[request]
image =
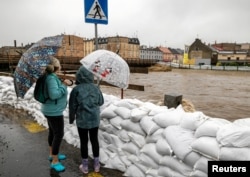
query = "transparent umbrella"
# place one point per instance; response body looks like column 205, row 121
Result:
column 108, row 66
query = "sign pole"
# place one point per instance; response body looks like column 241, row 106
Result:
column 96, row 37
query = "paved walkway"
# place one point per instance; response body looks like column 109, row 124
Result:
column 24, row 152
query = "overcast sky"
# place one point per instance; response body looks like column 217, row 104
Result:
column 169, row 23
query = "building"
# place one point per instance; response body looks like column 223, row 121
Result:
column 72, row 46
column 201, row 53
column 233, row 53
column 177, row 55
column 150, row 53
column 167, row 54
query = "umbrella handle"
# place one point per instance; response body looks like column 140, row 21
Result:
column 98, row 81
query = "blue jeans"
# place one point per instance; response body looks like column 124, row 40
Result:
column 56, row 132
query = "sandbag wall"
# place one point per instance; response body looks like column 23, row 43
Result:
column 145, row 140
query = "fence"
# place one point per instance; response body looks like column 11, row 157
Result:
column 208, row 67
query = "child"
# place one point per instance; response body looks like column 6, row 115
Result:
column 84, row 107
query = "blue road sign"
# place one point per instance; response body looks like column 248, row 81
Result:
column 96, row 11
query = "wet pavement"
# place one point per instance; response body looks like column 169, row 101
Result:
column 24, row 149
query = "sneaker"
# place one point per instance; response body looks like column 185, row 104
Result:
column 84, row 166
column 57, row 166
column 97, row 165
column 60, row 157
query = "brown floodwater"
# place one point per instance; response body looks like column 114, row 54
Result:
column 218, row 94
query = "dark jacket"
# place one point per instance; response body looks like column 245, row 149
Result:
column 85, row 101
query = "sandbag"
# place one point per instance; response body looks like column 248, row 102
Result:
column 123, row 112
column 176, row 165
column 108, row 112
column 167, row 118
column 150, row 150
column 148, row 125
column 163, row 148
column 234, row 153
column 179, row 140
column 210, row 127
column 207, row 146
column 233, row 135
column 132, row 127
column 192, row 120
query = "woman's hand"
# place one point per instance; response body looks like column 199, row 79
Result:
column 67, row 82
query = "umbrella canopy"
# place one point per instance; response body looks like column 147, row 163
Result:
column 108, row 66
column 33, row 63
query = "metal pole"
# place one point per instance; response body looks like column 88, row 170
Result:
column 96, row 37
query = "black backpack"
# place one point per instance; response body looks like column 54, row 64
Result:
column 39, row 91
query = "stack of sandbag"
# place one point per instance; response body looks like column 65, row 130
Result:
column 146, row 140
column 143, row 139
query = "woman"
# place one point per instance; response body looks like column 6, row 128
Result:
column 84, row 106
column 53, row 110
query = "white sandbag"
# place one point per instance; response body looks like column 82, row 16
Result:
column 132, row 171
column 202, row 164
column 115, row 163
column 148, row 106
column 176, row 165
column 142, row 167
column 123, row 112
column 127, row 103
column 155, row 136
column 103, row 156
column 112, row 148
column 147, row 161
column 109, row 99
column 232, row 135
column 130, row 148
column 191, row 158
column 110, row 129
column 163, row 148
column 168, row 118
column 137, row 139
column 234, row 153
column 168, row 172
column 125, row 160
column 152, row 173
column 150, row 150
column 210, row 127
column 116, row 122
column 148, row 125
column 179, row 140
column 243, row 122
column 154, row 109
column 133, row 158
column 192, row 120
column 137, row 114
column 130, row 126
column 107, row 137
column 123, row 135
column 115, row 140
column 198, row 173
column 207, row 146
column 108, row 112
column 68, row 137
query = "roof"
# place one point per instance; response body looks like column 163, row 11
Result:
column 164, row 49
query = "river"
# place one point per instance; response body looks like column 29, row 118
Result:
column 218, row 94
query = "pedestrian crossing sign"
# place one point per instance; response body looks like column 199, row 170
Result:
column 96, row 11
